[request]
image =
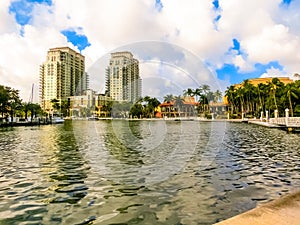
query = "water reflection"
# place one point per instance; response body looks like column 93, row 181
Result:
column 123, row 141
column 70, row 169
column 43, row 167
column 142, row 172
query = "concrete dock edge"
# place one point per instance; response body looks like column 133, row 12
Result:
column 282, row 211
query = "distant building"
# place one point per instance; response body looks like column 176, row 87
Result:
column 186, row 108
column 219, row 108
column 86, row 100
column 104, row 105
column 62, row 75
column 123, row 82
column 89, row 104
column 83, row 105
column 266, row 80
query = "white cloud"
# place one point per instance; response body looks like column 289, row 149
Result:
column 266, row 32
column 242, row 64
column 7, row 24
column 273, row 72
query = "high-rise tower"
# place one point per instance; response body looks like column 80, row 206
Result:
column 123, row 82
column 62, row 75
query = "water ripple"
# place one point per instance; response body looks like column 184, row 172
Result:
column 87, row 172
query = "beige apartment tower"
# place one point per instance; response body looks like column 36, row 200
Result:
column 123, row 82
column 62, row 75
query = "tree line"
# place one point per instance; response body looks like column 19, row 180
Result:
column 11, row 105
column 253, row 99
column 146, row 107
column 203, row 95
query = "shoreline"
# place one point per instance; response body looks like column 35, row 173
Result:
column 257, row 122
column 284, row 210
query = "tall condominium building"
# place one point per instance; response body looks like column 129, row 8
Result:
column 123, row 82
column 62, row 75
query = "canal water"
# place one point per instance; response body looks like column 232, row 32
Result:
column 142, row 172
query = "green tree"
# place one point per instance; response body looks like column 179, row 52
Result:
column 198, row 93
column 136, row 110
column 248, row 96
column 179, row 103
column 205, row 88
column 274, row 85
column 274, row 95
column 34, row 109
column 55, row 104
column 168, row 98
column 14, row 102
column 189, row 92
column 65, row 108
column 205, row 96
column 151, row 104
column 4, row 100
column 291, row 92
column 230, row 94
column 217, row 96
column 120, row 109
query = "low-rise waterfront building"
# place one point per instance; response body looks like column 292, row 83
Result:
column 219, row 108
column 186, row 107
column 90, row 104
column 83, row 105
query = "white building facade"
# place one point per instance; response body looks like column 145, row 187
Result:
column 62, row 75
column 123, row 82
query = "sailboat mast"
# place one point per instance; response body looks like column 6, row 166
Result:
column 31, row 95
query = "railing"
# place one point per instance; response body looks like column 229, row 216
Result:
column 286, row 121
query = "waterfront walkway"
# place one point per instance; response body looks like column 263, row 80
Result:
column 283, row 211
column 291, row 124
column 265, row 124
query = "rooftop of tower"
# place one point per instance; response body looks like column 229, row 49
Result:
column 65, row 49
column 122, row 54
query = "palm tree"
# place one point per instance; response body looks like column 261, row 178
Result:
column 55, row 104
column 261, row 93
column 291, row 91
column 240, row 98
column 204, row 102
column 274, row 85
column 197, row 93
column 152, row 103
column 217, row 95
column 248, row 90
column 189, row 92
column 169, row 98
column 34, row 109
column 231, row 98
column 179, row 103
column 205, row 96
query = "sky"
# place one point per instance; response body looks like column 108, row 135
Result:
column 179, row 44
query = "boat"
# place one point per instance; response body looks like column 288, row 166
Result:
column 56, row 120
column 93, row 118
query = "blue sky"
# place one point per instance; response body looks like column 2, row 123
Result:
column 234, row 44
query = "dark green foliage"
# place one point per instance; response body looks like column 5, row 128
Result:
column 275, row 95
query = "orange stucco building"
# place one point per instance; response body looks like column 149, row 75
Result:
column 169, row 109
